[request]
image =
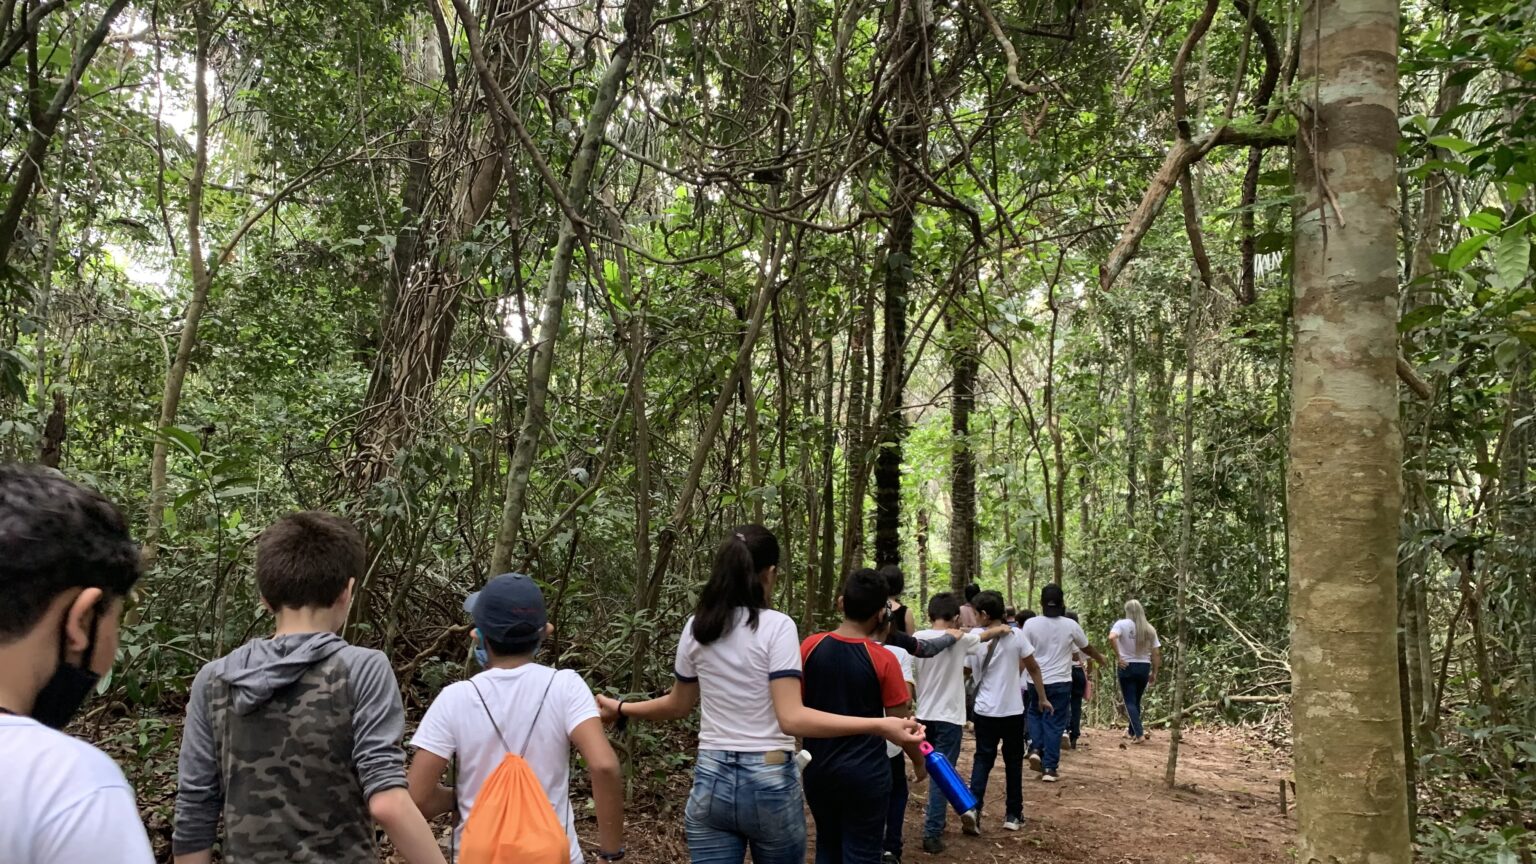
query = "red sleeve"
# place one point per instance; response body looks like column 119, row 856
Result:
column 809, row 645
column 893, row 689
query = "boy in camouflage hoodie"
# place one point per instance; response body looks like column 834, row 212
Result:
column 295, row 740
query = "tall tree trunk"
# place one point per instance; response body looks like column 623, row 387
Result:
column 637, row 22
column 962, row 525
column 860, row 434
column 828, row 572
column 922, row 558
column 908, row 146
column 1345, row 491
column 1186, row 533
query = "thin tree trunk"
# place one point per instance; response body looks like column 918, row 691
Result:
column 1345, row 465
column 202, row 282
column 1186, row 533
column 922, row 557
column 637, row 16
column 962, row 526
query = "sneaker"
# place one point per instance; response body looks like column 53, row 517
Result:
column 1014, row 823
column 1049, row 776
column 1066, row 740
column 970, row 823
column 1034, row 761
column 933, row 845
column 890, row 857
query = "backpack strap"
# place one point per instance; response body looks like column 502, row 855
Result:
column 986, row 661
column 536, row 714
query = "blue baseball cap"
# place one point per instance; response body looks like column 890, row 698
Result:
column 510, row 608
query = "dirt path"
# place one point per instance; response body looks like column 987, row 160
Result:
column 1110, row 807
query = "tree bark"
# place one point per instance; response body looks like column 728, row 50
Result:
column 1345, row 451
column 637, row 15
column 1186, row 532
column 962, row 526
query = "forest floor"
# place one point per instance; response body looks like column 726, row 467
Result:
column 1110, row 807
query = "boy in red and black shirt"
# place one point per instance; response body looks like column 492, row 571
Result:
column 848, row 779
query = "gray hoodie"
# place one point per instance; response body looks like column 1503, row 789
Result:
column 251, row 711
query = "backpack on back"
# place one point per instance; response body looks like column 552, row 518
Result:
column 513, row 821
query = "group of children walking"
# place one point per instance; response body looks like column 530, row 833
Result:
column 292, row 743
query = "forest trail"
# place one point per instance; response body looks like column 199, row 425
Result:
column 1110, row 807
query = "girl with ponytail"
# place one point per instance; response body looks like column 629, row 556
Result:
column 740, row 660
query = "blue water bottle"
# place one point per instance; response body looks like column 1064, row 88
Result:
column 941, row 772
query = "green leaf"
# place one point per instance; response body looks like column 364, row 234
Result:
column 1420, row 316
column 1511, row 259
column 182, row 438
column 1465, row 251
column 1483, row 220
column 1452, row 143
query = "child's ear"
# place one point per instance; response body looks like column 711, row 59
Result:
column 840, row 604
column 549, row 630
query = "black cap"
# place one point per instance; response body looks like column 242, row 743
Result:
column 510, row 608
column 1052, row 603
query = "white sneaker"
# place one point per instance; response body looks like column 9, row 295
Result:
column 970, row 823
column 1013, row 824
column 1049, row 777
column 1034, row 761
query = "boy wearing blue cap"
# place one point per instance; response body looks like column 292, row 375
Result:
column 542, row 712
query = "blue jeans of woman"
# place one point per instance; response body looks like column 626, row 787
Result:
column 743, row 800
column 1133, row 683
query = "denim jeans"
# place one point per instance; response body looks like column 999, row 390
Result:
column 896, row 809
column 1079, row 687
column 1009, row 732
column 739, row 800
column 1046, row 729
column 1133, row 683
column 945, row 738
column 850, row 814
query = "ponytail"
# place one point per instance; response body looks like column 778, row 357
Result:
column 735, row 581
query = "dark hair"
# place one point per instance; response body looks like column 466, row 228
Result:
column 1010, row 612
column 971, row 591
column 990, row 603
column 306, row 559
column 864, row 594
column 1025, row 615
column 1070, row 614
column 514, row 648
column 945, row 606
column 894, row 580
column 733, row 582
column 56, row 535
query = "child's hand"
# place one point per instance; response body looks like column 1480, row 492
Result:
column 901, row 731
column 608, row 710
column 958, row 634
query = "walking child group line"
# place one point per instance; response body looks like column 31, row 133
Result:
column 291, row 751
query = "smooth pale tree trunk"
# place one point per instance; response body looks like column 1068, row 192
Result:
column 1345, row 496
column 1186, row 532
column 578, row 191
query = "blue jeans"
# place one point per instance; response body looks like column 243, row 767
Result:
column 1079, row 688
column 850, row 813
column 945, row 738
column 1133, row 683
column 896, row 809
column 1045, row 729
column 739, row 800
column 1008, row 732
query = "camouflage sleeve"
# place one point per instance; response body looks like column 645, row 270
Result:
column 199, row 789
column 378, row 722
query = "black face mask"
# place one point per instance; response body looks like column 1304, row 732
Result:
column 61, row 698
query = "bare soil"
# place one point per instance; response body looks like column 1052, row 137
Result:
column 1110, row 807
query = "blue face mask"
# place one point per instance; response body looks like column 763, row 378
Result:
column 481, row 656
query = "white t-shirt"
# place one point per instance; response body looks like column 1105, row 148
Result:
column 62, row 801
column 1125, row 632
column 905, row 659
column 1055, row 639
column 457, row 724
column 940, row 682
column 735, row 706
column 998, row 693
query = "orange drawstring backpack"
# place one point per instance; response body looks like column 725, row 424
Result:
column 513, row 821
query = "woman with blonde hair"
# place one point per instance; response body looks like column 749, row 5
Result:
column 1139, row 654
